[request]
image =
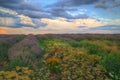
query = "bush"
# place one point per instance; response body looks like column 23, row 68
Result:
column 112, row 65
column 53, row 64
column 89, row 47
column 19, row 38
column 4, row 50
column 74, row 65
column 17, row 62
column 49, row 43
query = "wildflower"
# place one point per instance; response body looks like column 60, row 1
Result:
column 18, row 68
column 1, row 73
column 53, row 60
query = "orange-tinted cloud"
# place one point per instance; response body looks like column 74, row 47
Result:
column 3, row 31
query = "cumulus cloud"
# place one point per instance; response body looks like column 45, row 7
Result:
column 24, row 7
column 67, row 8
column 13, row 9
column 10, row 18
column 59, row 9
column 68, row 13
column 34, row 10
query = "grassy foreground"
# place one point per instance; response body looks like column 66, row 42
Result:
column 60, row 59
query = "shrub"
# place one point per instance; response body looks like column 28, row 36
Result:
column 74, row 65
column 53, row 64
column 18, row 61
column 49, row 43
column 89, row 46
column 4, row 50
column 112, row 65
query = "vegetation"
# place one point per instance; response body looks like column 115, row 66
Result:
column 112, row 65
column 4, row 50
column 60, row 59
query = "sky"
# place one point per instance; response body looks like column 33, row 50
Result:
column 59, row 16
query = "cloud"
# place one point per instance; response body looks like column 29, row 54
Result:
column 38, row 23
column 73, row 3
column 9, row 22
column 107, row 4
column 18, row 5
column 70, row 9
column 12, row 4
column 10, row 18
column 62, row 25
column 60, row 9
column 24, row 7
column 67, row 13
column 21, row 21
column 35, row 14
column 107, row 21
column 107, row 27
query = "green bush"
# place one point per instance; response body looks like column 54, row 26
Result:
column 19, row 38
column 53, row 64
column 112, row 65
column 75, row 44
column 89, row 47
column 17, row 62
column 49, row 43
column 4, row 50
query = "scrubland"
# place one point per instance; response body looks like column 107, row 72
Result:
column 60, row 57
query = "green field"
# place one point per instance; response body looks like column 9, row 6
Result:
column 59, row 58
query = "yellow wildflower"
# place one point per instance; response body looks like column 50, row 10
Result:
column 2, row 72
column 18, row 68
